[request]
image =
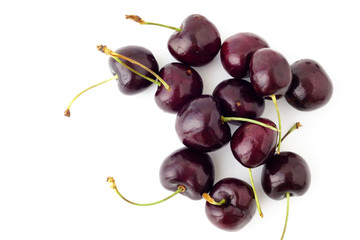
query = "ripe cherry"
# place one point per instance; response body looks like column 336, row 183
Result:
column 311, row 87
column 189, row 168
column 185, row 83
column 195, row 43
column 237, row 50
column 238, row 205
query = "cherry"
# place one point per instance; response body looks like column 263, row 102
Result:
column 195, row 43
column 270, row 73
column 199, row 125
column 185, row 83
column 237, row 50
column 286, row 174
column 238, row 208
column 189, row 168
column 311, row 87
column 128, row 81
column 238, row 98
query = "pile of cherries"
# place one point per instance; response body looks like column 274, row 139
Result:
column 202, row 121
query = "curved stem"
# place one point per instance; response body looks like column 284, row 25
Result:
column 67, row 111
column 227, row 119
column 273, row 97
column 113, row 186
column 212, row 201
column 256, row 197
column 287, row 214
column 136, row 72
column 295, row 126
column 141, row 21
column 111, row 53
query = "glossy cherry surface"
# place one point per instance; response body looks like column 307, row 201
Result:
column 239, row 207
column 270, row 73
column 197, row 43
column 285, row 172
column 238, row 98
column 199, row 125
column 190, row 168
column 253, row 145
column 185, row 84
column 129, row 82
column 311, row 87
column 237, row 50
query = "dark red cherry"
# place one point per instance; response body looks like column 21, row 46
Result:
column 237, row 98
column 237, row 50
column 185, row 84
column 286, row 172
column 129, row 82
column 270, row 73
column 199, row 125
column 197, row 43
column 239, row 206
column 253, row 145
column 311, row 87
column 190, row 168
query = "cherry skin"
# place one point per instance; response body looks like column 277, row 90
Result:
column 197, row 43
column 270, row 73
column 129, row 82
column 286, row 172
column 239, row 206
column 253, row 145
column 237, row 50
column 199, row 125
column 190, row 168
column 185, row 84
column 238, row 98
column 311, row 87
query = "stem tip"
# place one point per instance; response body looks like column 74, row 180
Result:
column 67, row 113
column 135, row 18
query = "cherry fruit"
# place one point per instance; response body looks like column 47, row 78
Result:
column 189, row 168
column 311, row 88
column 185, row 83
column 236, row 52
column 239, row 206
column 238, row 98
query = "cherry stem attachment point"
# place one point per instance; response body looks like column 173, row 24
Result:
column 295, row 126
column 212, row 201
column 142, row 22
column 113, row 186
column 273, row 97
column 256, row 197
column 111, row 53
column 227, row 119
column 287, row 214
column 67, row 111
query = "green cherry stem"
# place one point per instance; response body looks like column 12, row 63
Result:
column 212, row 201
column 256, row 197
column 67, row 111
column 142, row 22
column 287, row 214
column 294, row 127
column 227, row 119
column 273, row 97
column 113, row 186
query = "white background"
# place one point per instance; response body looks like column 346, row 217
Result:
column 53, row 169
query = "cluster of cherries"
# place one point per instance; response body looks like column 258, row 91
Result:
column 202, row 120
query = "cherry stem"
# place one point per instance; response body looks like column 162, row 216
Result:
column 67, row 111
column 142, row 22
column 273, row 97
column 287, row 214
column 256, row 197
column 111, row 53
column 212, row 201
column 113, row 186
column 295, row 126
column 227, row 119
